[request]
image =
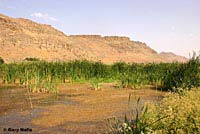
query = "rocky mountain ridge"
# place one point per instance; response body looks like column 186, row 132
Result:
column 21, row 38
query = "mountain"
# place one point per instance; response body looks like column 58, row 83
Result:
column 22, row 38
column 171, row 57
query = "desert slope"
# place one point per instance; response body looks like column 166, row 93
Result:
column 21, row 38
column 171, row 57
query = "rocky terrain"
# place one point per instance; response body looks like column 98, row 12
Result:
column 169, row 56
column 21, row 38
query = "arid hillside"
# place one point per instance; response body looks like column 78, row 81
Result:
column 171, row 57
column 21, row 38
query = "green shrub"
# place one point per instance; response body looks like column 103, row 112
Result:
column 182, row 112
column 175, row 114
column 185, row 76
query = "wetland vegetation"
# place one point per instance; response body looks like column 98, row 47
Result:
column 178, row 112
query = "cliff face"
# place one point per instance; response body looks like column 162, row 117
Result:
column 21, row 38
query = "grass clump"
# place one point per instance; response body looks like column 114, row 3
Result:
column 135, row 124
column 35, row 83
column 42, row 85
column 96, row 84
column 134, row 81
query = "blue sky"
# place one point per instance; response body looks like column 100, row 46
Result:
column 165, row 25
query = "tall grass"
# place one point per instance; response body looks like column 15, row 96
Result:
column 184, row 76
column 166, row 75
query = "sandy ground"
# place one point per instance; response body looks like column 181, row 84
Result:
column 77, row 109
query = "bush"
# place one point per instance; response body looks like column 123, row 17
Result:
column 184, row 76
column 181, row 112
column 175, row 114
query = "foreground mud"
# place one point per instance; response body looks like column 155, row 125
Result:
column 75, row 110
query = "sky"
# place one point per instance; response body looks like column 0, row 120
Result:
column 165, row 25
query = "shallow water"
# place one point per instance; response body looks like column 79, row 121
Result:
column 71, row 111
column 16, row 113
